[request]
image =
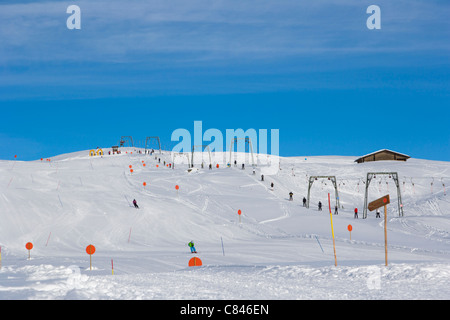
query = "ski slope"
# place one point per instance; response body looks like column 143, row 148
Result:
column 279, row 249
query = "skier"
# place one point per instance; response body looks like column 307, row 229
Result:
column 320, row 206
column 304, row 201
column 290, row 196
column 336, row 209
column 191, row 245
column 378, row 214
column 262, row 177
column 243, row 167
column 356, row 213
column 135, row 204
column 271, row 185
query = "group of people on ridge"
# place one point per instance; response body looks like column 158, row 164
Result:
column 336, row 211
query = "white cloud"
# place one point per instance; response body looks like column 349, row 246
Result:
column 157, row 41
column 128, row 31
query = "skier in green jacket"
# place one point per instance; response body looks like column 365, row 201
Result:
column 191, row 245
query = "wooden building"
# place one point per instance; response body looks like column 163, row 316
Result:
column 382, row 155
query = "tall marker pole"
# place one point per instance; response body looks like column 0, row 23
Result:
column 383, row 201
column 332, row 231
column 385, row 236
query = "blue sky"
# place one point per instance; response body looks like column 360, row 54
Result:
column 144, row 68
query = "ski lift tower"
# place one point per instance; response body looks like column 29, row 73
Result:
column 393, row 175
column 206, row 147
column 250, row 147
column 333, row 181
column 176, row 155
column 150, row 139
column 126, row 141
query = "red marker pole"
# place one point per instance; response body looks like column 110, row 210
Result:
column 15, row 160
column 48, row 238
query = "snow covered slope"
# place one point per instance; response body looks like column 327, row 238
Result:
column 277, row 249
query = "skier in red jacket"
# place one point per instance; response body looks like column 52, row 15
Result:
column 356, row 213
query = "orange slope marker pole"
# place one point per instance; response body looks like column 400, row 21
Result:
column 90, row 250
column 29, row 246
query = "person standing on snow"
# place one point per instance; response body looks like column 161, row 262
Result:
column 135, row 204
column 191, row 245
column 356, row 213
column 320, row 206
column 304, row 201
column 291, row 196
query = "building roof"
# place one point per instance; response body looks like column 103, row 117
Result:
column 383, row 150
